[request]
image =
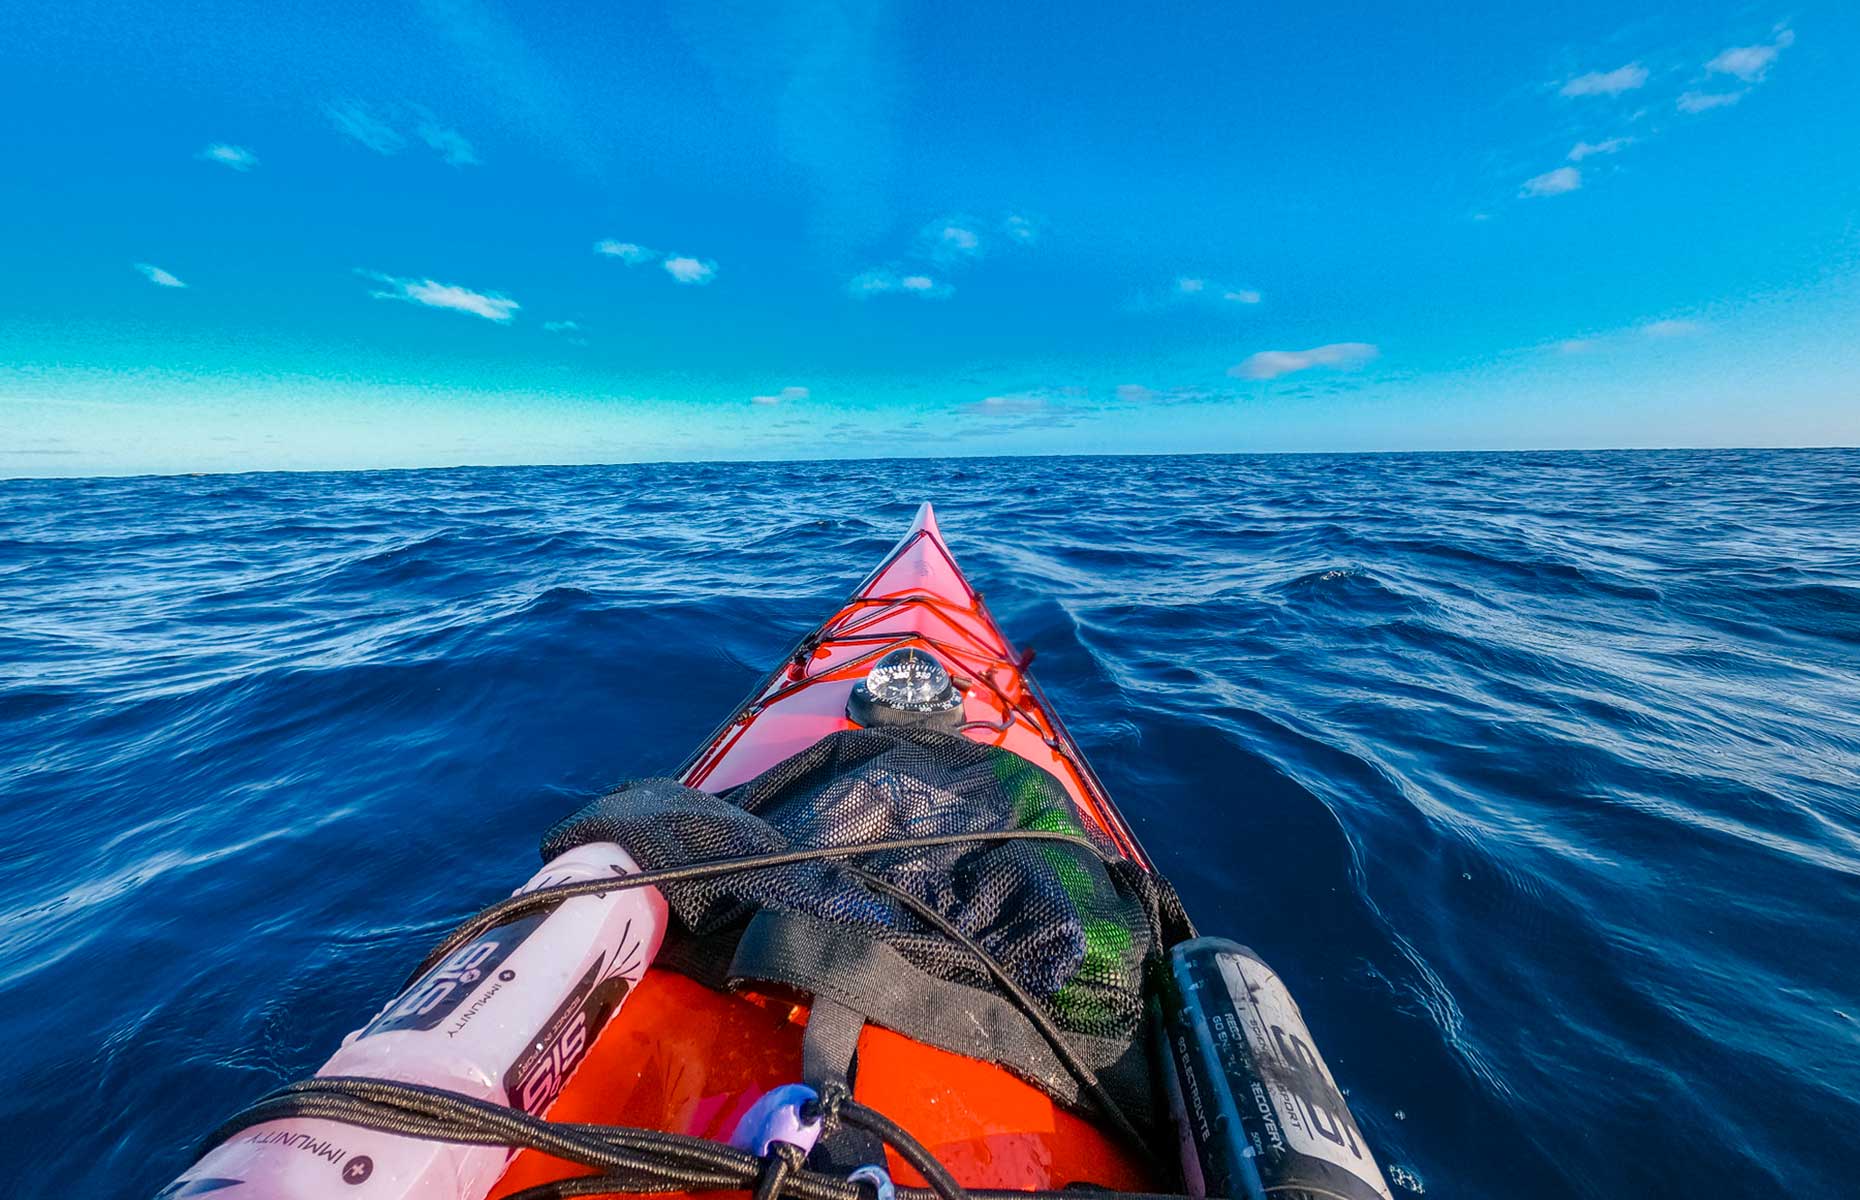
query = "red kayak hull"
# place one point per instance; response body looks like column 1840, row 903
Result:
column 683, row 1058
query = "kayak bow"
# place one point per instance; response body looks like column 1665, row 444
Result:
column 917, row 596
column 683, row 1058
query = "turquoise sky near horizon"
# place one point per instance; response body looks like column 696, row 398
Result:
column 244, row 237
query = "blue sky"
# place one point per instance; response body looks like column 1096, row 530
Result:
column 249, row 236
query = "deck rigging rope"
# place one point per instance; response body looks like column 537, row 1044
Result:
column 544, row 898
column 649, row 1161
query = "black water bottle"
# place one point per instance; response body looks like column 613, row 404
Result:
column 1256, row 1108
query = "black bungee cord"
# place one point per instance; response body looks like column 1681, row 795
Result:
column 641, row 1161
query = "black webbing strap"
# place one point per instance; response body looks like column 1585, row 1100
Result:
column 828, row 1046
column 828, row 1049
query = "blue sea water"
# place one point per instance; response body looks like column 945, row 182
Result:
column 1536, row 775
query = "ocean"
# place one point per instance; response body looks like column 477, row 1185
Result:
column 1537, row 776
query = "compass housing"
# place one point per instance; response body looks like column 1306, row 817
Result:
column 906, row 687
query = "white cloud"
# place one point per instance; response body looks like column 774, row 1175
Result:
column 450, row 144
column 627, row 252
column 375, row 130
column 1270, row 364
column 1018, row 402
column 159, row 277
column 1607, row 83
column 1552, row 183
column 786, row 396
column 1616, row 340
column 432, row 294
column 1194, row 289
column 881, row 282
column 1138, row 394
column 236, row 157
column 953, row 239
column 356, row 122
column 569, row 331
column 1698, row 102
column 690, row 270
column 1751, row 63
column 1613, row 145
column 680, row 267
column 1046, row 407
column 1021, row 229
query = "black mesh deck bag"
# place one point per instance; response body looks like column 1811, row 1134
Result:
column 1075, row 929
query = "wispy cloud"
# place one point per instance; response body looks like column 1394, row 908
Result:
column 448, row 143
column 1189, row 285
column 787, row 395
column 892, row 281
column 1751, row 63
column 1270, row 364
column 1552, row 183
column 433, row 294
column 1698, row 102
column 827, row 80
column 236, row 157
column 951, row 239
column 690, row 270
column 380, row 131
column 1611, row 341
column 569, row 331
column 1020, row 228
column 1613, row 145
column 1016, row 402
column 1192, row 289
column 1607, row 83
column 158, row 277
column 487, row 40
column 1041, row 408
column 630, row 253
column 358, row 123
column 1134, row 394
column 945, row 246
column 681, row 267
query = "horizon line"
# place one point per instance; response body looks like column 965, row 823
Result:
column 874, row 458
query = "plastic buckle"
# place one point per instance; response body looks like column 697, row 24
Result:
column 879, row 1178
column 789, row 1113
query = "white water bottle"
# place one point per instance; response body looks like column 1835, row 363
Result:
column 504, row 1018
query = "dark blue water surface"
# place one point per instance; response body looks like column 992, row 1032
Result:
column 1537, row 775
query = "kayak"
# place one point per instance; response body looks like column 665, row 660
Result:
column 684, row 1058
column 887, row 888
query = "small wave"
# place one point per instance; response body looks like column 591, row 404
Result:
column 1353, row 588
